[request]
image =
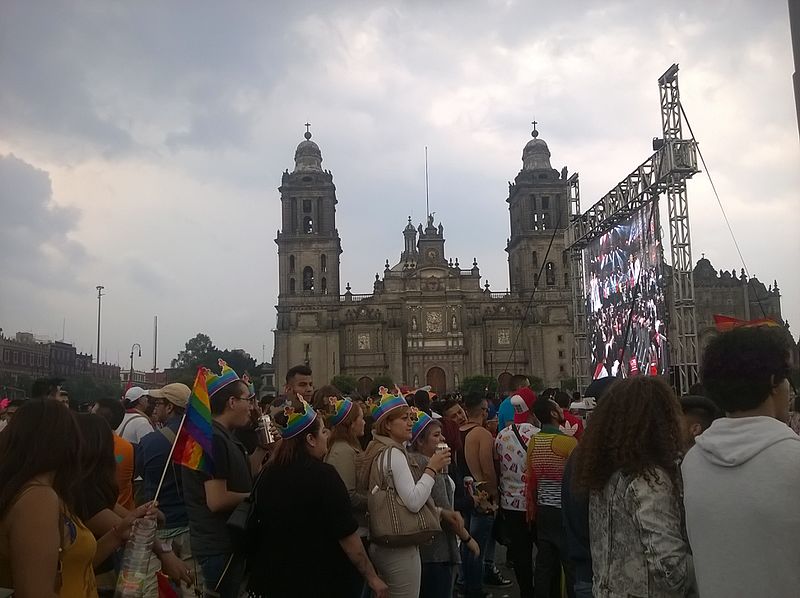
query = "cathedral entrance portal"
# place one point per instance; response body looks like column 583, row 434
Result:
column 436, row 379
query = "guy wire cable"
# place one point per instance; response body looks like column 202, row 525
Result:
column 722, row 209
column 533, row 292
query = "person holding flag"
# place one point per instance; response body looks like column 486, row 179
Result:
column 216, row 474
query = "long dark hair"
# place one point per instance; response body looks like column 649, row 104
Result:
column 635, row 428
column 41, row 438
column 98, row 465
column 292, row 450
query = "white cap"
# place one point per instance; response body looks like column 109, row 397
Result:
column 519, row 404
column 134, row 394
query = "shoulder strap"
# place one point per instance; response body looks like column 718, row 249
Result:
column 136, row 416
column 519, row 437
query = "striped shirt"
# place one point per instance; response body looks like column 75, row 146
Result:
column 548, row 452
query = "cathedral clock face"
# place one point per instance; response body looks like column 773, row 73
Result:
column 432, row 254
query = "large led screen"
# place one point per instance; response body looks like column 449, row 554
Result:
column 625, row 303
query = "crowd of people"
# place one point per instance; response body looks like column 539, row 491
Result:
column 407, row 495
column 626, row 302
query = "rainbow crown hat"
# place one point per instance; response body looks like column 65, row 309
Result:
column 340, row 408
column 388, row 402
column 421, row 421
column 251, row 388
column 296, row 421
column 215, row 383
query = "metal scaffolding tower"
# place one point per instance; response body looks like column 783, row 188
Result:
column 664, row 172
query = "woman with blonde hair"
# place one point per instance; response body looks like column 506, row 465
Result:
column 398, row 565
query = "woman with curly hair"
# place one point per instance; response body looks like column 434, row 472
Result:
column 628, row 463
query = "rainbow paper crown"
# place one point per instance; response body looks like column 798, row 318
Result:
column 251, row 388
column 421, row 421
column 388, row 402
column 215, row 383
column 296, row 421
column 339, row 410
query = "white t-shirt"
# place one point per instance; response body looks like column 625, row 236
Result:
column 134, row 427
column 512, row 457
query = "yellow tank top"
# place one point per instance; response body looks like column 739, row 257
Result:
column 78, row 547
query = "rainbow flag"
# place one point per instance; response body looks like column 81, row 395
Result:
column 727, row 323
column 193, row 444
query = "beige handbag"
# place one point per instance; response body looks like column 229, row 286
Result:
column 390, row 521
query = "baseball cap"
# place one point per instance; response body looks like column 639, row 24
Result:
column 133, row 394
column 522, row 402
column 176, row 393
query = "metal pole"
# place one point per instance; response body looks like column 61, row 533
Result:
column 99, row 296
column 133, row 346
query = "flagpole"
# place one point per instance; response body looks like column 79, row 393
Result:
column 169, row 459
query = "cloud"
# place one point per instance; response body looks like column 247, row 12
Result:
column 35, row 246
column 164, row 132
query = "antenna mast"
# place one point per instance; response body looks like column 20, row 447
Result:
column 427, row 199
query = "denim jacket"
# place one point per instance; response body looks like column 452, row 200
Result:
column 638, row 544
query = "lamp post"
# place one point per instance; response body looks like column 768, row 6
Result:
column 99, row 299
column 130, row 375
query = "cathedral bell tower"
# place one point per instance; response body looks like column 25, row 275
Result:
column 308, row 242
column 538, row 203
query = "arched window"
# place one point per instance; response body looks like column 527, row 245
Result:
column 308, row 279
column 291, row 264
column 535, row 259
column 293, row 214
column 324, row 286
column 550, row 274
column 566, row 279
column 308, row 225
column 291, row 286
column 323, row 262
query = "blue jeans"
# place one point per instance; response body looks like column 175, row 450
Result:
column 583, row 589
column 480, row 528
column 437, row 580
column 213, row 568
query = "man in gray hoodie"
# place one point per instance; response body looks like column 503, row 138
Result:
column 742, row 477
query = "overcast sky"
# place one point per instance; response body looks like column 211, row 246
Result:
column 142, row 144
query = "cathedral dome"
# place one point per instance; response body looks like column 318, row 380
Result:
column 536, row 155
column 307, row 156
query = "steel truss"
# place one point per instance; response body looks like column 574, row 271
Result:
column 664, row 172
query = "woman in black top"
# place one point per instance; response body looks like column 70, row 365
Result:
column 309, row 545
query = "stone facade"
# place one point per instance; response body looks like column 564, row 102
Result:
column 428, row 319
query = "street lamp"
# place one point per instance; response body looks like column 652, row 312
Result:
column 130, row 375
column 100, row 294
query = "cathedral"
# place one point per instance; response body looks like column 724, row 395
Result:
column 429, row 319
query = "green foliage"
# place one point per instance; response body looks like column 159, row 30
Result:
column 478, row 384
column 201, row 351
column 537, row 384
column 569, row 384
column 346, row 384
column 382, row 380
column 85, row 389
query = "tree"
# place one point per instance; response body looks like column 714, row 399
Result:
column 199, row 350
column 84, row 389
column 382, row 380
column 537, row 384
column 478, row 384
column 240, row 361
column 346, row 384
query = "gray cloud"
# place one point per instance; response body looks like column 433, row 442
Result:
column 178, row 120
column 34, row 232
